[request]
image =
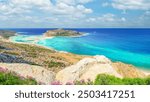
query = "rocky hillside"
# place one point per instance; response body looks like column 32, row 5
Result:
column 36, row 55
column 6, row 34
column 62, row 32
column 46, row 65
column 40, row 74
column 90, row 68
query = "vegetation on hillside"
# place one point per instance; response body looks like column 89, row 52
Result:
column 104, row 79
column 6, row 34
column 36, row 55
column 62, row 32
column 12, row 79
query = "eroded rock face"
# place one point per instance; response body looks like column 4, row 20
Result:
column 40, row 74
column 88, row 68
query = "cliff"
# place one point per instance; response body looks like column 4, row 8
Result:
column 62, row 32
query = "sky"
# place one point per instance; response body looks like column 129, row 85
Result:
column 74, row 13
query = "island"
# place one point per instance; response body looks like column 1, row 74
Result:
column 62, row 32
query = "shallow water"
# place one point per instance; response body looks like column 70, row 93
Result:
column 130, row 46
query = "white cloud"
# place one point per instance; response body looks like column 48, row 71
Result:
column 84, row 1
column 42, row 11
column 74, row 11
column 73, row 2
column 62, row 7
column 105, row 4
column 22, row 6
column 131, row 4
column 123, row 19
column 145, row 16
column 106, row 18
column 91, row 19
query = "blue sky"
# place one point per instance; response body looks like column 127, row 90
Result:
column 74, row 13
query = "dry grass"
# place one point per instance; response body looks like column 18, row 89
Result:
column 41, row 56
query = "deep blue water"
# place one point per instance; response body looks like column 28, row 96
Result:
column 130, row 46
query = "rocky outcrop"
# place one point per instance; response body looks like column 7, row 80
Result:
column 6, row 58
column 40, row 74
column 6, row 33
column 62, row 32
column 89, row 68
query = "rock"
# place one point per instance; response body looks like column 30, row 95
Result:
column 7, row 58
column 102, row 59
column 87, row 68
column 40, row 74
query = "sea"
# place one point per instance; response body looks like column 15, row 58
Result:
column 128, row 45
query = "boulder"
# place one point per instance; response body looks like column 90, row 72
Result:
column 87, row 68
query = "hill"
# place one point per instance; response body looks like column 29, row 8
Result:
column 62, row 32
column 6, row 34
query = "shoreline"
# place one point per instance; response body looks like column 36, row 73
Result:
column 41, row 37
column 146, row 72
column 35, row 44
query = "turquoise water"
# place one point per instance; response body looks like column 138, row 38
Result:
column 128, row 46
column 24, row 38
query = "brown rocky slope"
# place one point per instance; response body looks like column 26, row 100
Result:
column 88, row 68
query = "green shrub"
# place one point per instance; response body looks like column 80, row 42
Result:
column 148, row 81
column 54, row 64
column 12, row 79
column 104, row 79
column 135, row 81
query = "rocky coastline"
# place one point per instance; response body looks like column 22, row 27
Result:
column 46, row 65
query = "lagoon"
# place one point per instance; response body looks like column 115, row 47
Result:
column 131, row 46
